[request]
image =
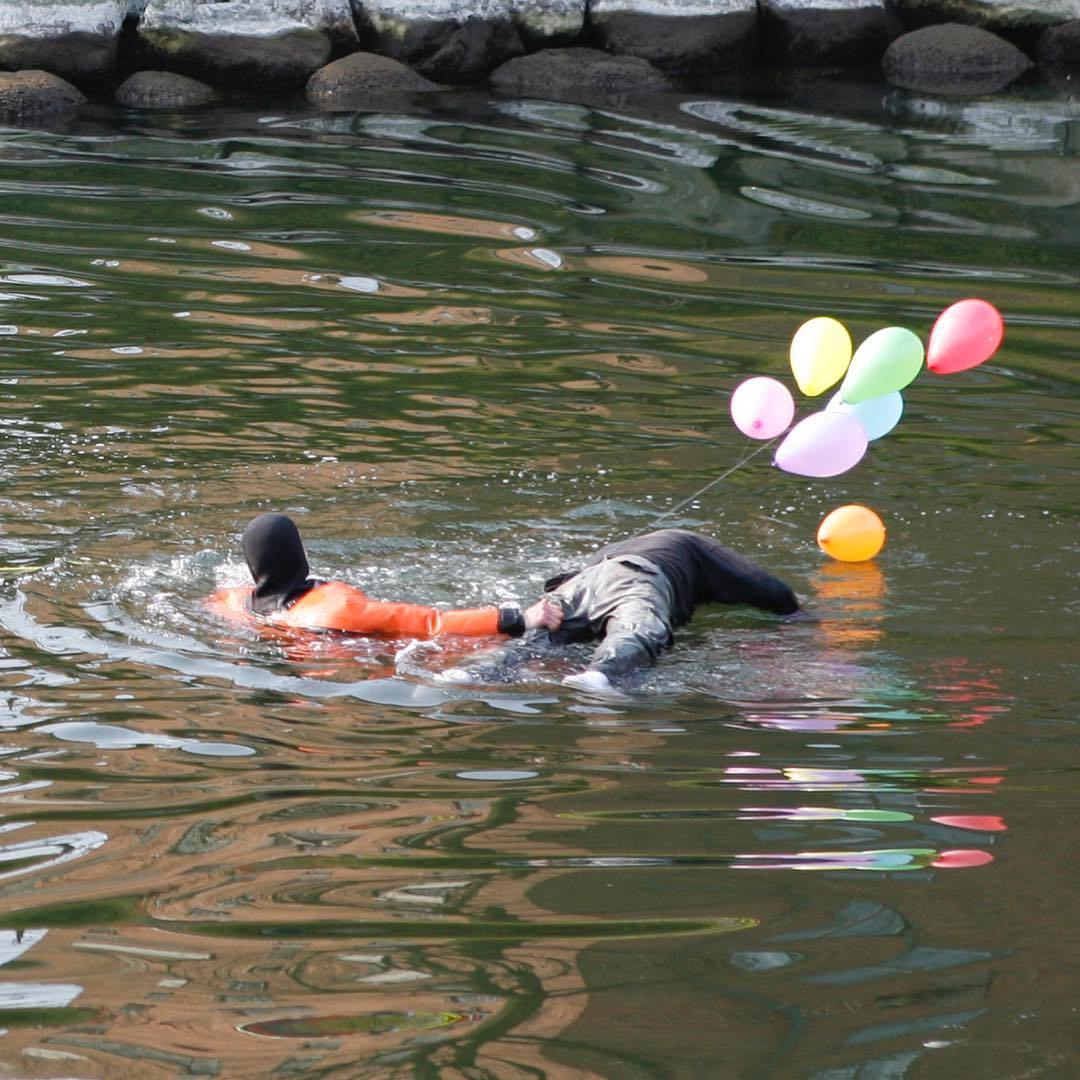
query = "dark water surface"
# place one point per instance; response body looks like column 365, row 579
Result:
column 464, row 344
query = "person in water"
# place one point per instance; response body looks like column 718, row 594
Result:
column 630, row 596
column 285, row 594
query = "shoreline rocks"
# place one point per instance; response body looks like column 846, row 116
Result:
column 688, row 39
column 999, row 15
column 953, row 59
column 163, row 90
column 471, row 52
column 522, row 47
column 36, row 94
column 834, row 35
column 578, row 74
column 359, row 77
column 240, row 42
column 77, row 41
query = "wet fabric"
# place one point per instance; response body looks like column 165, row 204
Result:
column 626, row 602
column 623, row 602
column 632, row 594
column 335, row 605
column 701, row 571
column 286, row 594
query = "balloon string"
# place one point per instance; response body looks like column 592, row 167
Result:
column 701, row 491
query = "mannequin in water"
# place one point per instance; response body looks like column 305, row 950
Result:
column 629, row 596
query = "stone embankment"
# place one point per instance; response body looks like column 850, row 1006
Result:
column 57, row 54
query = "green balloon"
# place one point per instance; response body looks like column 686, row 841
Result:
column 886, row 361
column 876, row 815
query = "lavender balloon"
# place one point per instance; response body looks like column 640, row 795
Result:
column 824, row 444
column 762, row 407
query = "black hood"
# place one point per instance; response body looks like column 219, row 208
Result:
column 277, row 561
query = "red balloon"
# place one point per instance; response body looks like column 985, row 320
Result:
column 953, row 860
column 982, row 822
column 965, row 334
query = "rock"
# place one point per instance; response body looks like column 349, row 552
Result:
column 953, row 59
column 848, row 33
column 251, row 18
column 34, row 94
column 355, row 80
column 163, row 90
column 1059, row 47
column 691, row 39
column 285, row 60
column 577, row 74
column 415, row 30
column 995, row 14
column 274, row 43
column 472, row 51
column 75, row 39
column 548, row 22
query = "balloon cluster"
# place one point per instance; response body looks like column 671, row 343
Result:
column 867, row 406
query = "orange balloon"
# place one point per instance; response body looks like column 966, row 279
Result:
column 851, row 533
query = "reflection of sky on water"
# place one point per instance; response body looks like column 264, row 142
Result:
column 13, row 943
column 115, row 737
column 30, row 994
column 37, row 995
column 36, row 856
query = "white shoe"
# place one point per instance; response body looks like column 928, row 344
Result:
column 595, row 682
column 458, row 675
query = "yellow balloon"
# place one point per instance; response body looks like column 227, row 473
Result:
column 820, row 354
column 851, row 533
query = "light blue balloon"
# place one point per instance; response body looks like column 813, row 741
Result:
column 878, row 415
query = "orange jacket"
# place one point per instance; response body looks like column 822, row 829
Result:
column 334, row 605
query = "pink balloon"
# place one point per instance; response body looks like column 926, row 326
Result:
column 824, row 444
column 762, row 407
column 965, row 334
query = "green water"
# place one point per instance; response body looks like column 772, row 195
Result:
column 464, row 344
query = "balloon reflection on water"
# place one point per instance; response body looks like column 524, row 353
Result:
column 914, row 786
column 972, row 696
column 857, row 593
column 797, row 778
column 917, row 799
column 889, row 859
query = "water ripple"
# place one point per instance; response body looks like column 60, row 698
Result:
column 466, row 343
